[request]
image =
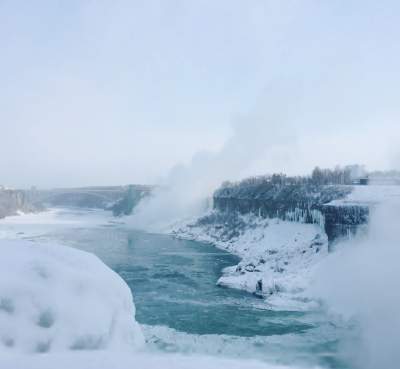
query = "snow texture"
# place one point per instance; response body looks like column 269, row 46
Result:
column 54, row 298
column 107, row 360
column 277, row 256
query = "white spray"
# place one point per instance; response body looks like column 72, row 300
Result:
column 362, row 282
column 183, row 194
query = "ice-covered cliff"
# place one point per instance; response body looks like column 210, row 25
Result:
column 299, row 202
column 281, row 232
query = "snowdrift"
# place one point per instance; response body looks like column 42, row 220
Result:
column 54, row 298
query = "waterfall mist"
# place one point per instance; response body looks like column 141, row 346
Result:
column 262, row 133
column 186, row 191
column 361, row 283
column 285, row 131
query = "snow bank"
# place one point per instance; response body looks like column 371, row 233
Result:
column 105, row 360
column 54, row 298
column 277, row 256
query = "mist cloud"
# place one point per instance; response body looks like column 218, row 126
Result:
column 361, row 282
column 184, row 192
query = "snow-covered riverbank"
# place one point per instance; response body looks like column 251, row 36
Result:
column 277, row 256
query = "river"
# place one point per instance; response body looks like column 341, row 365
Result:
column 178, row 302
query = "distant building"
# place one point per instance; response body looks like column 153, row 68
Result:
column 364, row 181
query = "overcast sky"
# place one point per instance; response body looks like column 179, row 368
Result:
column 115, row 92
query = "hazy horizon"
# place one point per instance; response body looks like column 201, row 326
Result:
column 106, row 93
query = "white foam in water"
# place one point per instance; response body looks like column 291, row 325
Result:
column 280, row 349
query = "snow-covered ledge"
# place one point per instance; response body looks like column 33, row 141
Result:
column 55, row 299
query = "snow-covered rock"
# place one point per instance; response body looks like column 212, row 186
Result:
column 277, row 256
column 349, row 216
column 54, row 298
column 279, row 253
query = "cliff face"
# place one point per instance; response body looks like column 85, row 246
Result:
column 303, row 202
column 344, row 221
column 12, row 201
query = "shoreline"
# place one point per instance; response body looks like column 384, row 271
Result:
column 276, row 257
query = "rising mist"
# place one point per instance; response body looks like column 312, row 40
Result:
column 360, row 282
